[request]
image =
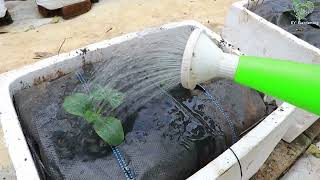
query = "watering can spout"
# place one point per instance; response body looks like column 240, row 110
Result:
column 204, row 60
column 293, row 82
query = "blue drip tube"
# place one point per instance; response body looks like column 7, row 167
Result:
column 115, row 150
column 216, row 103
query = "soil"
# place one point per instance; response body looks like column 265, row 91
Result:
column 170, row 137
column 279, row 13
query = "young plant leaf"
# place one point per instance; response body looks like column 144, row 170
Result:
column 110, row 130
column 98, row 93
column 113, row 97
column 91, row 116
column 116, row 99
column 77, row 104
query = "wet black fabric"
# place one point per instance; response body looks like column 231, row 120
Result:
column 279, row 12
column 170, row 137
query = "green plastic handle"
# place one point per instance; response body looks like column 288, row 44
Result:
column 292, row 82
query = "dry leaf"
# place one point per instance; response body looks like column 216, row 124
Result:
column 313, row 150
column 41, row 55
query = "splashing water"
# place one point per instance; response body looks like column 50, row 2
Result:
column 144, row 66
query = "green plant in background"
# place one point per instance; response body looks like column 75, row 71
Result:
column 84, row 105
column 302, row 8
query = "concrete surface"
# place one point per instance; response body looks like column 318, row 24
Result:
column 286, row 154
column 27, row 41
column 307, row 167
column 281, row 158
column 25, row 15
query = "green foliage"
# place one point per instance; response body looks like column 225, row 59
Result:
column 108, row 128
column 302, row 8
column 114, row 98
column 77, row 104
column 110, row 125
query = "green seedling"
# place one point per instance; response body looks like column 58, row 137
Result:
column 89, row 106
column 302, row 9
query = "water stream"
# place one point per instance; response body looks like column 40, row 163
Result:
column 149, row 64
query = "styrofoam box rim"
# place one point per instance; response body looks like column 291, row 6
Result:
column 266, row 134
column 241, row 5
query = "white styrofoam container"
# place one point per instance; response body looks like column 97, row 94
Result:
column 251, row 150
column 255, row 36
